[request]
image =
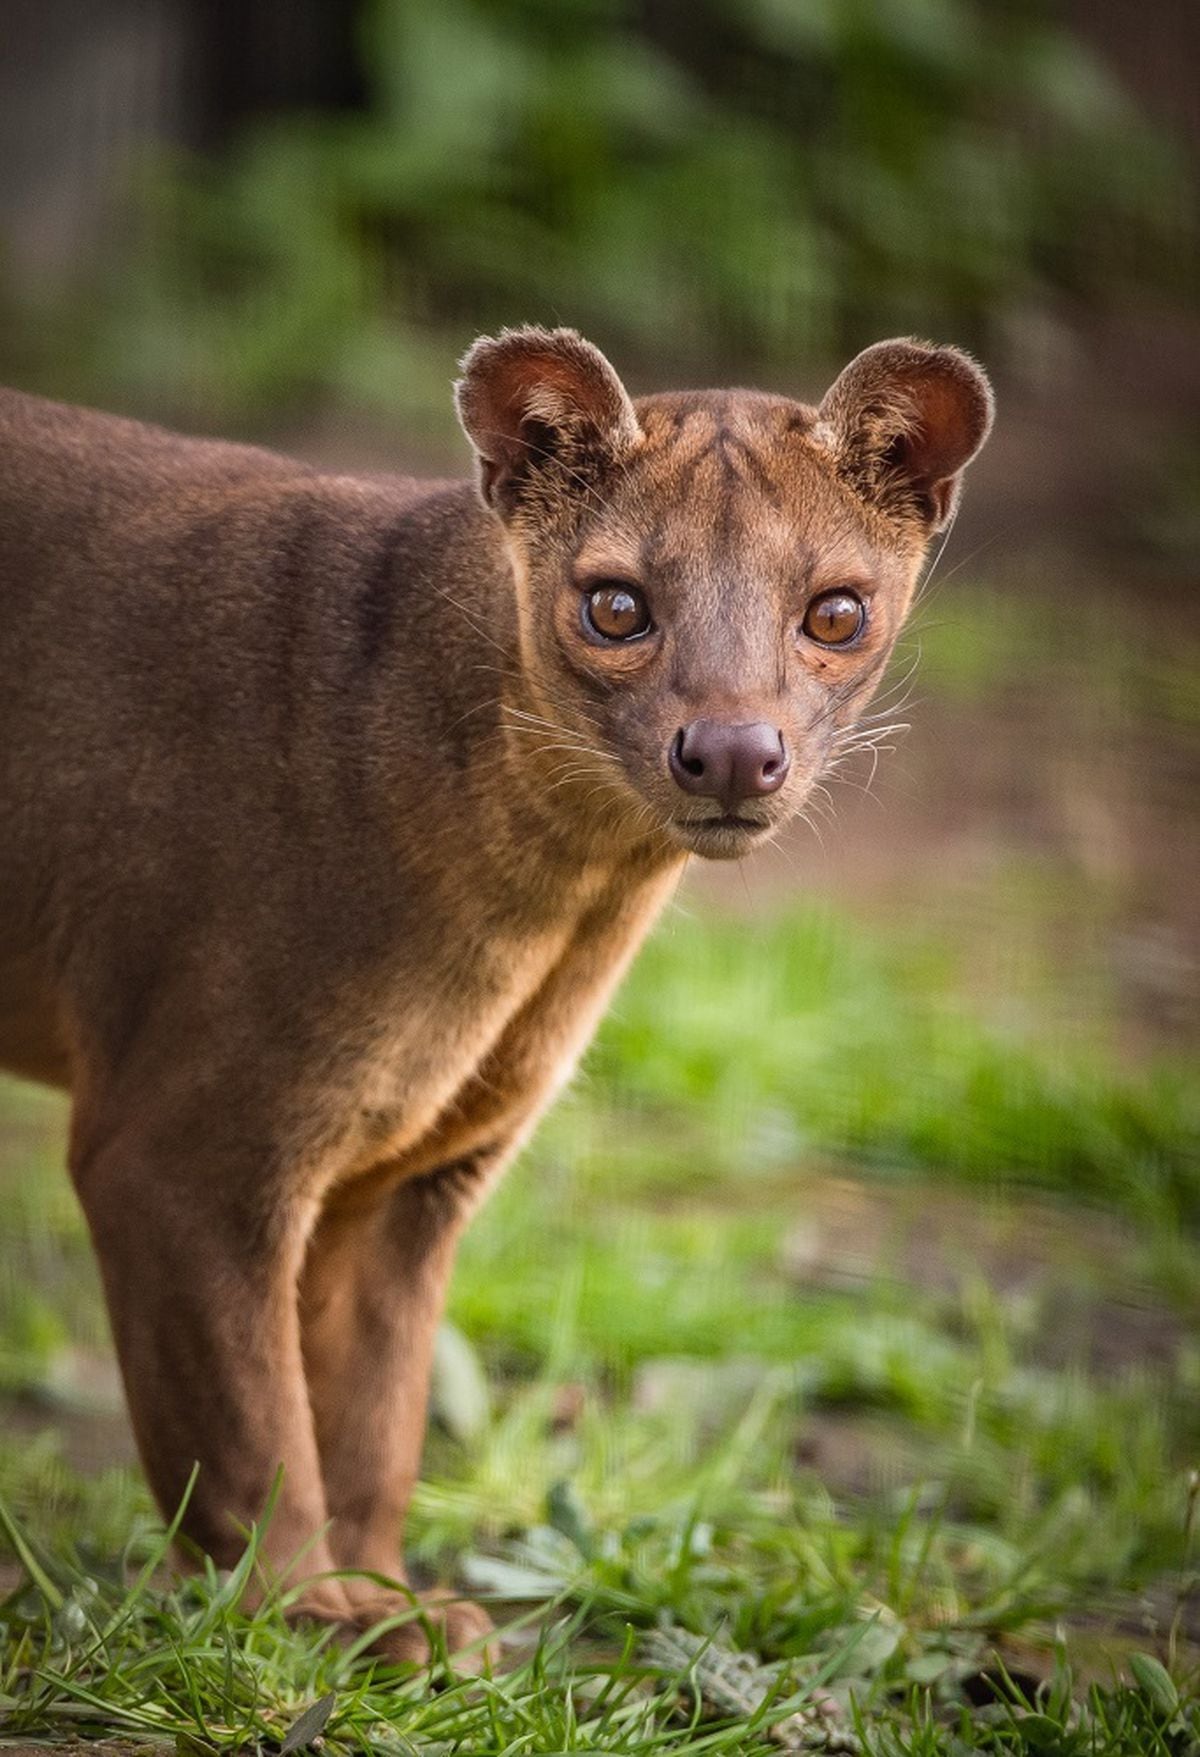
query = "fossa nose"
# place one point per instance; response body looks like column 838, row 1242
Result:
column 716, row 760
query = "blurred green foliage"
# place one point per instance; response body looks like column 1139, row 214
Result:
column 761, row 181
column 873, row 1053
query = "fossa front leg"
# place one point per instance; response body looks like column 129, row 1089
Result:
column 200, row 1263
column 371, row 1297
column 375, row 1276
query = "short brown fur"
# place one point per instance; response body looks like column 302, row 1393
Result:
column 328, row 831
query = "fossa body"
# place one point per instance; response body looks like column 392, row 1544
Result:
column 333, row 809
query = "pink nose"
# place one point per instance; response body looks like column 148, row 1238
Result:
column 729, row 763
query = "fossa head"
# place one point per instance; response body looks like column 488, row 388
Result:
column 710, row 583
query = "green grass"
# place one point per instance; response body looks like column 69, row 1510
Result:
column 629, row 1535
column 841, row 1340
column 747, row 1045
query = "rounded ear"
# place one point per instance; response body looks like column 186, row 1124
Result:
column 903, row 421
column 529, row 395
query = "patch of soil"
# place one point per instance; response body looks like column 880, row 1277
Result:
column 1065, row 1275
column 90, row 1440
column 857, row 1456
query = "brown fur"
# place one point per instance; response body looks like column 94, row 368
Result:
column 327, row 834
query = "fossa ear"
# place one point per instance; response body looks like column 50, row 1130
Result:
column 903, row 421
column 529, row 397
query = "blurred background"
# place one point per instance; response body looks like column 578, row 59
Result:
column 898, row 1121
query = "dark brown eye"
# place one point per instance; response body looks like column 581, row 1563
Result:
column 616, row 612
column 835, row 618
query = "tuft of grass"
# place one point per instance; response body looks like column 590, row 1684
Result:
column 726, row 1620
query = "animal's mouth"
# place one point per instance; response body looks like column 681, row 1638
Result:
column 726, row 820
column 721, row 835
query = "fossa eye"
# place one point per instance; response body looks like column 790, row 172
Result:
column 835, row 618
column 613, row 611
